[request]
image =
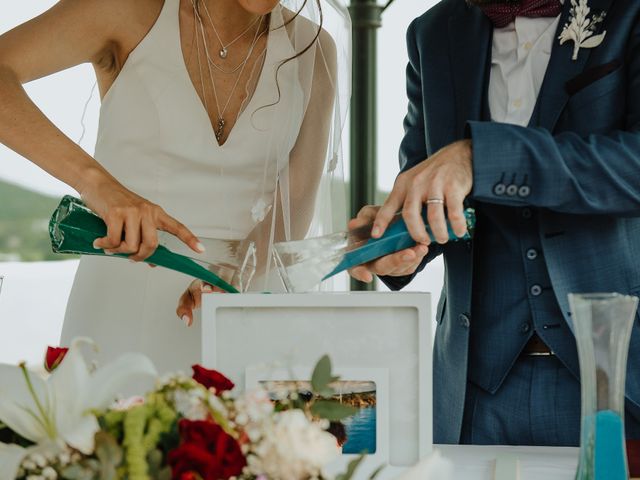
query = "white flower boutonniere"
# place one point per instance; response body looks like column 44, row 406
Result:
column 581, row 28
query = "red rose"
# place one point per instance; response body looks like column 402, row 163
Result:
column 212, row 379
column 53, row 357
column 633, row 452
column 205, row 450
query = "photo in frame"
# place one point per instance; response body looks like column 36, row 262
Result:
column 359, row 331
column 366, row 389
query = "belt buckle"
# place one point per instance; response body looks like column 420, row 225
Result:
column 540, row 354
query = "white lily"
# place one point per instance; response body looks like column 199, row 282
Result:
column 58, row 409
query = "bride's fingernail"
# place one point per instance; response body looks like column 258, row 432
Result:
column 200, row 247
column 95, row 246
column 375, row 232
column 186, row 320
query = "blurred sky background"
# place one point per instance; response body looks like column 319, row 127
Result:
column 34, row 295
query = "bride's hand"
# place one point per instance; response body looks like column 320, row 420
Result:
column 132, row 222
column 191, row 300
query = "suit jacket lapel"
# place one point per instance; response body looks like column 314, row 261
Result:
column 562, row 68
column 470, row 36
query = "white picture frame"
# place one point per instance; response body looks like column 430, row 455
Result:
column 363, row 330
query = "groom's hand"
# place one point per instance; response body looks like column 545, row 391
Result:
column 442, row 181
column 397, row 264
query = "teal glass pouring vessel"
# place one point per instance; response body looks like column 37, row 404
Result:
column 602, row 324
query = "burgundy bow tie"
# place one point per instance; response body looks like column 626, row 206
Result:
column 502, row 14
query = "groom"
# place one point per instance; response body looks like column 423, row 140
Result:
column 543, row 139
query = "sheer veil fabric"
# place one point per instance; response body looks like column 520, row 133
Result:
column 305, row 194
column 278, row 176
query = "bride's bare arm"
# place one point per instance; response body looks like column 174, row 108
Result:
column 71, row 33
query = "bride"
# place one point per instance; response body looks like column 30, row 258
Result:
column 220, row 125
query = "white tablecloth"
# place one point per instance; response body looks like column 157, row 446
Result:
column 534, row 463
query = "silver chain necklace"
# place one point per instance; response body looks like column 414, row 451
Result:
column 221, row 121
column 223, row 52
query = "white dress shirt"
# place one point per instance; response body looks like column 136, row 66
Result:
column 520, row 56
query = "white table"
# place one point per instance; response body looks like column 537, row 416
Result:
column 535, row 463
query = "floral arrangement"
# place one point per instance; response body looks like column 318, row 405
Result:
column 70, row 425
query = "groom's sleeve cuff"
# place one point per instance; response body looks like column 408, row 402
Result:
column 497, row 165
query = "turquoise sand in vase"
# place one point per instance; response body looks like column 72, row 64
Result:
column 602, row 325
column 606, row 458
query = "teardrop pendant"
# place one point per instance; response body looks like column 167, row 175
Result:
column 220, row 129
column 223, row 52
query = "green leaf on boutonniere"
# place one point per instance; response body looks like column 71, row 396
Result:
column 322, row 378
column 332, row 411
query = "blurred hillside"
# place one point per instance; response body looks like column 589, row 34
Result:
column 24, row 218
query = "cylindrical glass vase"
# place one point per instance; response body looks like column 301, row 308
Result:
column 602, row 325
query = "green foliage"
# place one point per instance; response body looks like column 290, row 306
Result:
column 9, row 436
column 88, row 469
column 24, row 216
column 109, row 455
column 351, row 469
column 321, row 381
column 377, row 472
column 156, row 470
column 323, row 377
column 332, row 410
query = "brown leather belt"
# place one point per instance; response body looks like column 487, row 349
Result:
column 535, row 347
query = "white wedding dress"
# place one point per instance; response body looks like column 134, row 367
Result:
column 156, row 138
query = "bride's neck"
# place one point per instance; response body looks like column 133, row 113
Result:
column 228, row 16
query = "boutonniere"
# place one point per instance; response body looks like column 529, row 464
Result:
column 581, row 28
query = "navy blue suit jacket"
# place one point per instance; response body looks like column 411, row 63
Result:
column 580, row 159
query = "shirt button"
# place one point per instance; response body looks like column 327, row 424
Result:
column 527, row 213
column 532, row 254
column 512, row 190
column 535, row 290
column 464, row 320
column 499, row 189
column 524, row 191
column 517, row 103
column 528, row 46
column 525, row 328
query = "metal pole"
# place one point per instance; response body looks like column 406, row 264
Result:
column 366, row 19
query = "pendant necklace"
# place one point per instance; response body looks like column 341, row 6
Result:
column 224, row 49
column 221, row 122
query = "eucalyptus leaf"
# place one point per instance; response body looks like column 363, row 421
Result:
column 376, row 472
column 322, row 378
column 351, row 468
column 332, row 410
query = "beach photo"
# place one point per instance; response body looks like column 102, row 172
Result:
column 355, row 434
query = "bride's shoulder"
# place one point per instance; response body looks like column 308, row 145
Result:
column 138, row 16
column 296, row 22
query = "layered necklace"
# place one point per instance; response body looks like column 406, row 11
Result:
column 223, row 53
